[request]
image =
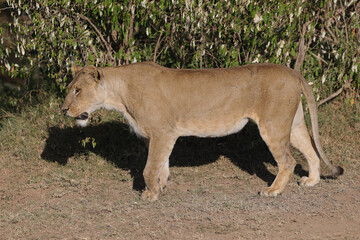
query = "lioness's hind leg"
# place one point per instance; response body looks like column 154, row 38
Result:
column 301, row 140
column 286, row 165
column 278, row 144
column 156, row 170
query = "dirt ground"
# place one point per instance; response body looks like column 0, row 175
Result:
column 57, row 189
column 216, row 201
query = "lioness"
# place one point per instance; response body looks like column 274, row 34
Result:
column 162, row 104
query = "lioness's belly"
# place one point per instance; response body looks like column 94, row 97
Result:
column 214, row 128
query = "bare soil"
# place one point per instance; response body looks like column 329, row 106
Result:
column 52, row 187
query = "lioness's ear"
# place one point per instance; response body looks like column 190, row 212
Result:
column 75, row 68
column 96, row 73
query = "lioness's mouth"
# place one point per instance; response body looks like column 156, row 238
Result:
column 83, row 116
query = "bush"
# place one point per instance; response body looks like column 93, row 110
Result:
column 187, row 34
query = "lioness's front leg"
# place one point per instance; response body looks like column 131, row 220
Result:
column 164, row 175
column 157, row 169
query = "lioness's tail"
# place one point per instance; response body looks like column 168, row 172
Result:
column 315, row 126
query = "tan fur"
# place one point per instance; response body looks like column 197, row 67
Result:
column 162, row 104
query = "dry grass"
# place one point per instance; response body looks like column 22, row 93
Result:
column 52, row 187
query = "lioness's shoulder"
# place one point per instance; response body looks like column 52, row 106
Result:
column 149, row 67
column 148, row 64
column 154, row 64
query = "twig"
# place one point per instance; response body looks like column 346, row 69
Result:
column 214, row 58
column 5, row 8
column 108, row 48
column 332, row 96
column 157, row 47
column 130, row 32
column 302, row 49
column 329, row 39
column 5, row 114
column 344, row 17
column 318, row 58
column 332, row 34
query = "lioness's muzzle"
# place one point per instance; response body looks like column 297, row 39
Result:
column 83, row 116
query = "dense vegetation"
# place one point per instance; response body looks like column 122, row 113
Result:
column 61, row 181
column 319, row 37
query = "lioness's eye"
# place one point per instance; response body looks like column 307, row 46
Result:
column 77, row 91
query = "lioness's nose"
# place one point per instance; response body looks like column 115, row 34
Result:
column 64, row 109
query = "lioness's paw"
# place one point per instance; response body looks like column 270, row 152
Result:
column 150, row 196
column 82, row 123
column 269, row 192
column 306, row 181
column 163, row 182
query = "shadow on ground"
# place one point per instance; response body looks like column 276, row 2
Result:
column 116, row 144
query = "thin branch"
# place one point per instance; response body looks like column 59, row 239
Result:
column 5, row 114
column 302, row 49
column 332, row 35
column 330, row 40
column 344, row 17
column 108, row 47
column 213, row 57
column 129, row 32
column 157, row 47
column 5, row 8
column 318, row 58
column 332, row 96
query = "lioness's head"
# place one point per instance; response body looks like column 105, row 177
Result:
column 83, row 97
